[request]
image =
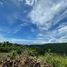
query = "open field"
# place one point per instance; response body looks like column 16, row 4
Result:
column 46, row 55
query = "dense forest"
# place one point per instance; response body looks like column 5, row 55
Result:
column 51, row 53
column 60, row 48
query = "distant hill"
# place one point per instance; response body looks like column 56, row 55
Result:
column 60, row 48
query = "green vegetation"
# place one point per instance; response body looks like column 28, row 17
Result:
column 54, row 54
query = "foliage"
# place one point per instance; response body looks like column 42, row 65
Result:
column 54, row 54
column 54, row 59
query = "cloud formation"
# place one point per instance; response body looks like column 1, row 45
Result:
column 46, row 11
column 43, row 21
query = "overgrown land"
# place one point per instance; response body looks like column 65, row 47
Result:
column 42, row 55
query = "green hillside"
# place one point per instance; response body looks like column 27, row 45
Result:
column 52, row 54
column 60, row 48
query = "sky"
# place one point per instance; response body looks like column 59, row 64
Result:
column 33, row 21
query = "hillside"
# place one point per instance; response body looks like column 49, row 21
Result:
column 60, row 48
column 45, row 55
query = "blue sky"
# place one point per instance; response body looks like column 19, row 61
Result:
column 33, row 21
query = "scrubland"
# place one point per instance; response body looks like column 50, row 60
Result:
column 43, row 55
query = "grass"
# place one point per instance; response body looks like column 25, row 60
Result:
column 54, row 59
column 53, row 54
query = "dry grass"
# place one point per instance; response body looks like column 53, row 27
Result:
column 47, row 60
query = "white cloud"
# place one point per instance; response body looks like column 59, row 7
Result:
column 21, row 41
column 43, row 14
column 30, row 2
column 63, row 29
column 45, row 11
column 14, row 40
column 58, row 35
column 48, row 38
